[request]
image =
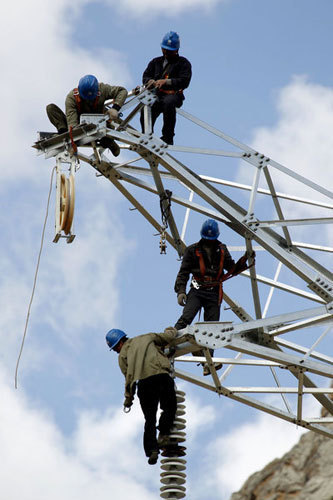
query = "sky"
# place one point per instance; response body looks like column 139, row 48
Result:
column 262, row 74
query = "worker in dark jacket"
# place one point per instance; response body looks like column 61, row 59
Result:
column 169, row 74
column 206, row 260
column 88, row 97
column 142, row 360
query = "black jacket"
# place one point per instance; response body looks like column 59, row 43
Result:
column 190, row 263
column 179, row 71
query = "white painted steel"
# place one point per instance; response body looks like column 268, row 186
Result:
column 261, row 338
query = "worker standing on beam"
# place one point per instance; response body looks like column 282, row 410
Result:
column 206, row 260
column 89, row 97
column 169, row 74
column 142, row 359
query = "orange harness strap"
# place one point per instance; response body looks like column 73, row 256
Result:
column 170, row 91
column 207, row 281
column 74, row 146
column 166, row 76
column 78, row 99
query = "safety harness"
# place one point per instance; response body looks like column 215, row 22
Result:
column 165, row 75
column 78, row 99
column 204, row 281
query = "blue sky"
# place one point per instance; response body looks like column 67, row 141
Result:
column 261, row 73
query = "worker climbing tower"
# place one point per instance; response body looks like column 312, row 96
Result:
column 283, row 311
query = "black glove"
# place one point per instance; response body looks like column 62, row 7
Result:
column 181, row 297
column 128, row 402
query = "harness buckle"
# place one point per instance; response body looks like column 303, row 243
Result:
column 195, row 284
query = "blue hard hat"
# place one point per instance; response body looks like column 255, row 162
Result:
column 114, row 336
column 88, row 87
column 170, row 41
column 210, row 230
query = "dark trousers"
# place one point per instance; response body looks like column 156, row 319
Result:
column 154, row 390
column 197, row 298
column 166, row 104
column 57, row 117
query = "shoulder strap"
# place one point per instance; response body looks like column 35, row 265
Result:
column 198, row 253
column 77, row 99
column 219, row 274
column 165, row 72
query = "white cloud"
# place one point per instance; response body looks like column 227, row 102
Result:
column 199, row 417
column 42, row 65
column 249, row 448
column 76, row 285
column 170, row 9
column 302, row 141
column 103, row 458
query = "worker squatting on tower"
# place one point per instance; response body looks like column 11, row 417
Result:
column 169, row 74
column 206, row 260
column 89, row 97
column 142, row 360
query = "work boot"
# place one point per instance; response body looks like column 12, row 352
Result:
column 108, row 142
column 167, row 140
column 206, row 369
column 153, row 457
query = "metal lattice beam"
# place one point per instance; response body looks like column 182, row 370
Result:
column 263, row 343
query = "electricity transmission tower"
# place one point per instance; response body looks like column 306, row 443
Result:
column 274, row 354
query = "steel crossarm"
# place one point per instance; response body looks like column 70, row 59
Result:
column 216, row 331
column 301, row 264
column 254, row 157
column 292, row 222
column 285, row 287
column 228, row 361
column 294, row 368
column 237, row 185
column 279, row 390
column 254, row 403
column 206, row 151
column 238, row 344
column 303, row 350
column 315, row 320
column 124, row 176
column 83, row 134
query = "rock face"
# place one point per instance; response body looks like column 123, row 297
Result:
column 304, row 473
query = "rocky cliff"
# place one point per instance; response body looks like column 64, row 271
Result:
column 304, row 473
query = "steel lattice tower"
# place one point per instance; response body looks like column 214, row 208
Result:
column 263, row 344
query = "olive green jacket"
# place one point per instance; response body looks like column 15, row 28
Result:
column 107, row 92
column 143, row 356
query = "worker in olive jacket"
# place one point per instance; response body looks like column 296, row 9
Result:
column 142, row 360
column 88, row 97
column 206, row 260
column 169, row 75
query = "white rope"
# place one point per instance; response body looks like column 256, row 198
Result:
column 35, row 279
